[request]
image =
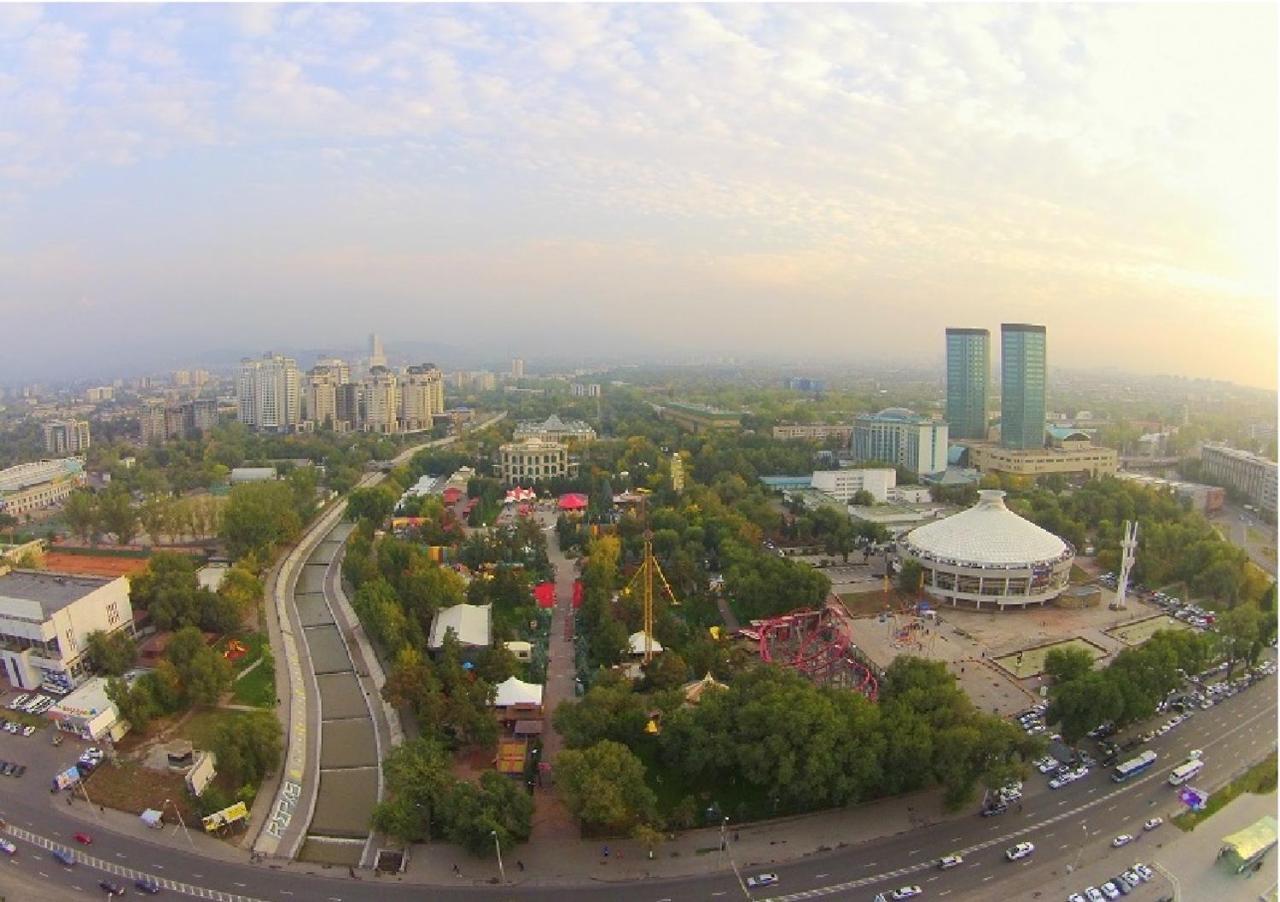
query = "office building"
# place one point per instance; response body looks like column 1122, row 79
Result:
column 46, row 619
column 900, row 437
column 268, row 393
column 555, row 429
column 62, row 437
column 1248, row 473
column 968, row 372
column 376, row 355
column 517, row 368
column 1022, row 386
column 31, row 487
column 842, row 485
column 813, row 432
column 805, row 384
column 381, row 401
column 1080, row 457
column 181, row 378
column 421, row 397
column 533, row 460
column 199, row 377
column 99, row 393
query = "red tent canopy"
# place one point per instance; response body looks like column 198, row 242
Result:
column 573, row 502
column 451, row 495
column 577, row 593
column 545, row 593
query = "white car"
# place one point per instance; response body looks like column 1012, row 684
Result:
column 762, row 880
column 1143, row 871
column 905, row 892
column 8, row 847
column 1021, row 850
column 1153, row 823
column 1094, row 894
column 1047, row 765
column 1059, row 782
column 1109, row 890
column 1122, row 840
column 950, row 861
column 1075, row 897
column 1194, row 754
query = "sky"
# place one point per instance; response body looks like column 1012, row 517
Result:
column 836, row 183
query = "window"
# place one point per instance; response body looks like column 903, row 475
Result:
column 113, row 613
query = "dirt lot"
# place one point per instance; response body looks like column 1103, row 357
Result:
column 93, row 565
column 133, row 788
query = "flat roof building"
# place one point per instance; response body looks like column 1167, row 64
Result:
column 1078, row 457
column 1245, row 472
column 698, row 418
column 46, row 619
column 899, row 437
column 26, row 488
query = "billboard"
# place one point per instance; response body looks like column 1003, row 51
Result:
column 230, row 815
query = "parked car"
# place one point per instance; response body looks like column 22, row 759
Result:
column 1109, row 890
column 1122, row 840
column 762, row 880
column 1143, row 871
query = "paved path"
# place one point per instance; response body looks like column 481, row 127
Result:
column 551, row 819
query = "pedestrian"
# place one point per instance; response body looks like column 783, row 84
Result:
column 456, row 872
column 68, row 800
column 520, row 864
column 101, row 810
column 735, row 835
column 606, row 851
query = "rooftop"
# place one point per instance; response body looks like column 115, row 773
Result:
column 53, row 591
column 21, row 476
column 987, row 533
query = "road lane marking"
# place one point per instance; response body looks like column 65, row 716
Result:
column 820, row 876
column 988, row 877
column 914, row 852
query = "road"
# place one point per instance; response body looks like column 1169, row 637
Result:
column 1240, row 730
column 1241, row 526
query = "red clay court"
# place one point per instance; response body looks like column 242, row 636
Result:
column 93, row 565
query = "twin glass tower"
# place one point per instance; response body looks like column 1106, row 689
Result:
column 1022, row 384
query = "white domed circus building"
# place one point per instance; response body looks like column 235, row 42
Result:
column 988, row 556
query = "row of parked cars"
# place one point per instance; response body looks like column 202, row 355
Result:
column 17, row 729
column 1120, row 885
column 9, row 769
column 31, row 703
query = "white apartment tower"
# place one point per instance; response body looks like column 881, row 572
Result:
column 321, row 398
column 63, row 437
column 517, row 368
column 382, row 401
column 268, row 392
column 421, row 397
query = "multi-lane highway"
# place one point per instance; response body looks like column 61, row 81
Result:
column 1066, row 825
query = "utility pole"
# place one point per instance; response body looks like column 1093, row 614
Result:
column 1083, row 840
column 497, row 847
column 181, row 822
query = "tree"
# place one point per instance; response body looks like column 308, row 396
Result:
column 205, row 674
column 258, row 516
column 1240, row 630
column 111, row 653
column 242, row 587
column 372, row 504
column 81, row 513
column 609, row 710
column 248, row 748
column 862, row 498
column 496, row 663
column 1067, row 664
column 117, row 516
column 666, row 671
column 418, row 779
column 135, row 703
column 472, row 815
column 604, row 787
column 910, row 576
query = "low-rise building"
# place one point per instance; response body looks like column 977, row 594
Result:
column 900, row 437
column 252, row 474
column 470, row 623
column 697, row 418
column 27, row 488
column 585, row 389
column 554, row 429
column 814, row 432
column 89, row 713
column 1245, row 472
column 842, row 485
column 46, row 619
column 1204, row 498
column 533, row 460
column 1070, row 457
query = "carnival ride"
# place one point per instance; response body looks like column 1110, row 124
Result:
column 819, row 645
column 643, row 578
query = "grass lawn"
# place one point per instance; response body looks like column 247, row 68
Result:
column 1140, row 631
column 253, row 642
column 1079, row 575
column 1033, row 658
column 872, row 602
column 133, row 788
column 1259, row 779
column 258, row 687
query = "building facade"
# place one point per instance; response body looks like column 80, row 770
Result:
column 46, row 619
column 900, row 437
column 842, row 485
column 269, row 393
column 382, row 402
column 28, row 488
column 1081, row 459
column 968, row 374
column 517, row 368
column 421, row 397
column 555, row 429
column 585, row 389
column 377, row 357
column 533, row 460
column 320, row 400
column 1022, row 386
column 1248, row 473
column 62, row 437
column 813, row 432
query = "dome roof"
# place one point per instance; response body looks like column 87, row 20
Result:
column 987, row 533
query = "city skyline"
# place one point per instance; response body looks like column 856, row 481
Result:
column 650, row 180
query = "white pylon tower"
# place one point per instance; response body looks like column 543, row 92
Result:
column 1128, row 547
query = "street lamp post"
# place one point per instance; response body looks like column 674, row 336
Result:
column 1083, row 840
column 497, row 847
column 183, row 823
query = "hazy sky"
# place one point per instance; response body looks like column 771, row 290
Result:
column 842, row 182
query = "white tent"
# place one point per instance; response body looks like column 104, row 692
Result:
column 637, row 643
column 514, row 691
column 152, row 818
column 469, row 622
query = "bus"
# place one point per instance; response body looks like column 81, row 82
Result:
column 1134, row 766
column 1185, row 771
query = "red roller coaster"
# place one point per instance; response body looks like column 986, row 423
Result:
column 818, row 644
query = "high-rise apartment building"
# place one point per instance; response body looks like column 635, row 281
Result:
column 376, row 355
column 968, row 372
column 517, row 368
column 268, row 392
column 320, row 399
column 899, row 437
column 1022, row 386
column 381, row 401
column 63, row 437
column 421, row 397
column 340, row 369
column 99, row 393
column 199, row 377
column 348, row 406
column 199, row 415
column 151, row 423
column 181, row 378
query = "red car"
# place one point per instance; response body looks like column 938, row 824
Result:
column 84, row 839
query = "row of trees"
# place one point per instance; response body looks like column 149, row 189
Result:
column 170, row 592
column 89, row 515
